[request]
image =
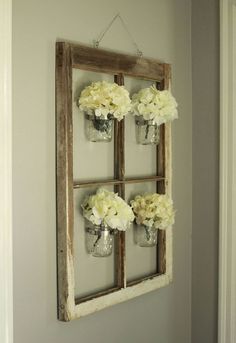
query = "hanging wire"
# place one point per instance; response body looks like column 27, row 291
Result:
column 102, row 34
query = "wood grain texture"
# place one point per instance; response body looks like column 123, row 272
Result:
column 65, row 213
column 88, row 58
column 96, row 295
column 162, row 165
column 119, row 173
column 85, row 184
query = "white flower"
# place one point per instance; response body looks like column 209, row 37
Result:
column 109, row 209
column 153, row 210
column 156, row 105
column 102, row 98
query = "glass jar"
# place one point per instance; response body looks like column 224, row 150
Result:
column 98, row 129
column 99, row 241
column 145, row 236
column 147, row 131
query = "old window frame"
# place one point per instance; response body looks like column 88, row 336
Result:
column 69, row 56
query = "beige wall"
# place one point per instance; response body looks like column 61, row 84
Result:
column 162, row 30
column 205, row 63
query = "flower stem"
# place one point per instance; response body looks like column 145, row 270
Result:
column 98, row 238
column 146, row 131
column 102, row 125
column 148, row 235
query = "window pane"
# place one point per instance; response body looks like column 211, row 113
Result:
column 92, row 274
column 92, row 160
column 140, row 160
column 140, row 261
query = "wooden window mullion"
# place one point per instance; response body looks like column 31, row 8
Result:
column 161, row 170
column 119, row 173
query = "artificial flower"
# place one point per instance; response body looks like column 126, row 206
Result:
column 152, row 104
column 153, row 210
column 102, row 98
column 108, row 209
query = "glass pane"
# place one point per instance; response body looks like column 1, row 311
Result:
column 140, row 261
column 92, row 274
column 92, row 160
column 140, row 160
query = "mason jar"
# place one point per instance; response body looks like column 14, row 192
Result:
column 145, row 236
column 99, row 241
column 98, row 129
column 147, row 131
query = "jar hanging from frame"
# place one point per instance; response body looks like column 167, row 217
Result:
column 147, row 131
column 99, row 240
column 98, row 129
column 145, row 236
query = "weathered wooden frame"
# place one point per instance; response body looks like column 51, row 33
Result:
column 69, row 56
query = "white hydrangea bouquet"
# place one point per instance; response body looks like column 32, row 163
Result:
column 103, row 98
column 156, row 105
column 108, row 214
column 153, row 210
column 152, row 108
column 107, row 209
column 101, row 102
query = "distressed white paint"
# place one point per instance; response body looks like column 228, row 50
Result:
column 122, row 295
column 71, row 283
column 6, row 312
column 227, row 239
column 74, row 311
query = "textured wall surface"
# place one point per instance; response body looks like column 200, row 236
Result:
column 205, row 66
column 162, row 30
